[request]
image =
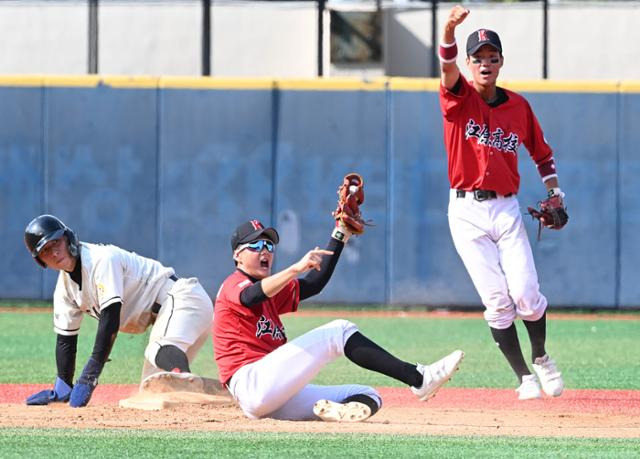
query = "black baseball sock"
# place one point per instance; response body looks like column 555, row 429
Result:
column 367, row 354
column 371, row 403
column 537, row 335
column 507, row 341
column 170, row 357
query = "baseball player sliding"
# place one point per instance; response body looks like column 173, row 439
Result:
column 270, row 376
column 124, row 292
column 483, row 127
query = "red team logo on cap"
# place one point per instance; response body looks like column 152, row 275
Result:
column 482, row 35
column 256, row 224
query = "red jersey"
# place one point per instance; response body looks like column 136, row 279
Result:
column 242, row 334
column 482, row 141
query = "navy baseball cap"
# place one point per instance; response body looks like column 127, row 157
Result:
column 252, row 231
column 482, row 37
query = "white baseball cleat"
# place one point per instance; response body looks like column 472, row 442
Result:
column 529, row 389
column 550, row 378
column 341, row 412
column 169, row 381
column 437, row 374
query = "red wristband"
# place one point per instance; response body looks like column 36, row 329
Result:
column 448, row 52
column 547, row 169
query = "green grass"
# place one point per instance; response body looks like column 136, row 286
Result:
column 21, row 443
column 587, row 351
column 596, row 354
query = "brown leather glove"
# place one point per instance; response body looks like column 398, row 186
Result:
column 350, row 198
column 552, row 213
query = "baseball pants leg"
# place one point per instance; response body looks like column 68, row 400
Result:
column 264, row 387
column 184, row 320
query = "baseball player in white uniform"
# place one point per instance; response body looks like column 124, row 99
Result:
column 125, row 292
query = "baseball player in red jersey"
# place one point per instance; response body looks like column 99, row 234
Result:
column 126, row 293
column 483, row 127
column 268, row 375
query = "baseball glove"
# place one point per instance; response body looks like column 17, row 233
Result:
column 350, row 198
column 551, row 214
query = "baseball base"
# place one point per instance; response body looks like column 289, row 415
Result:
column 153, row 401
column 166, row 381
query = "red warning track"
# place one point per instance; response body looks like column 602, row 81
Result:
column 605, row 402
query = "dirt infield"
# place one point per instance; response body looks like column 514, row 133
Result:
column 454, row 411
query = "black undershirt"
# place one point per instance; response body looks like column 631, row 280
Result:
column 108, row 325
column 66, row 347
column 501, row 94
column 76, row 274
column 310, row 285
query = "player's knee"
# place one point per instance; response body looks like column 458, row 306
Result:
column 530, row 304
column 500, row 319
column 166, row 356
column 346, row 329
column 170, row 357
column 343, row 324
column 522, row 298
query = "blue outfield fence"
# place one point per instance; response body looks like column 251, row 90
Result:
column 167, row 167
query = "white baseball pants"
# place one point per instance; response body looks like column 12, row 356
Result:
column 277, row 386
column 184, row 320
column 491, row 239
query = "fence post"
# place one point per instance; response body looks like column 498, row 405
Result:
column 545, row 38
column 434, row 39
column 321, row 8
column 206, row 37
column 93, row 37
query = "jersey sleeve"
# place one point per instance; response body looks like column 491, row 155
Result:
column 538, row 148
column 288, row 299
column 230, row 294
column 108, row 280
column 67, row 316
column 450, row 101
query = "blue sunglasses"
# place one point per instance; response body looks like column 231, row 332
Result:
column 257, row 246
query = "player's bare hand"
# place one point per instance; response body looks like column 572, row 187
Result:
column 312, row 260
column 457, row 14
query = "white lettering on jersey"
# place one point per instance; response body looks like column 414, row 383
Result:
column 495, row 139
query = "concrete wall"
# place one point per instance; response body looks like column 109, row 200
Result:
column 580, row 47
column 168, row 167
column 150, row 38
column 266, row 39
column 279, row 39
column 43, row 37
column 577, row 48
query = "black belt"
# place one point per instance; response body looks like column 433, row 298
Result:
column 480, row 195
column 155, row 308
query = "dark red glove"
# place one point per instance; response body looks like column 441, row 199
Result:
column 350, row 198
column 551, row 214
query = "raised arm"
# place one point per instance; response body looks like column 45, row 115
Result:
column 448, row 50
column 312, row 260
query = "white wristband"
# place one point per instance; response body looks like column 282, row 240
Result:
column 556, row 191
column 340, row 234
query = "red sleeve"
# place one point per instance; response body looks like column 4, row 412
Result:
column 451, row 102
column 288, row 299
column 538, row 147
column 231, row 290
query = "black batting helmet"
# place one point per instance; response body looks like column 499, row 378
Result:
column 47, row 228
